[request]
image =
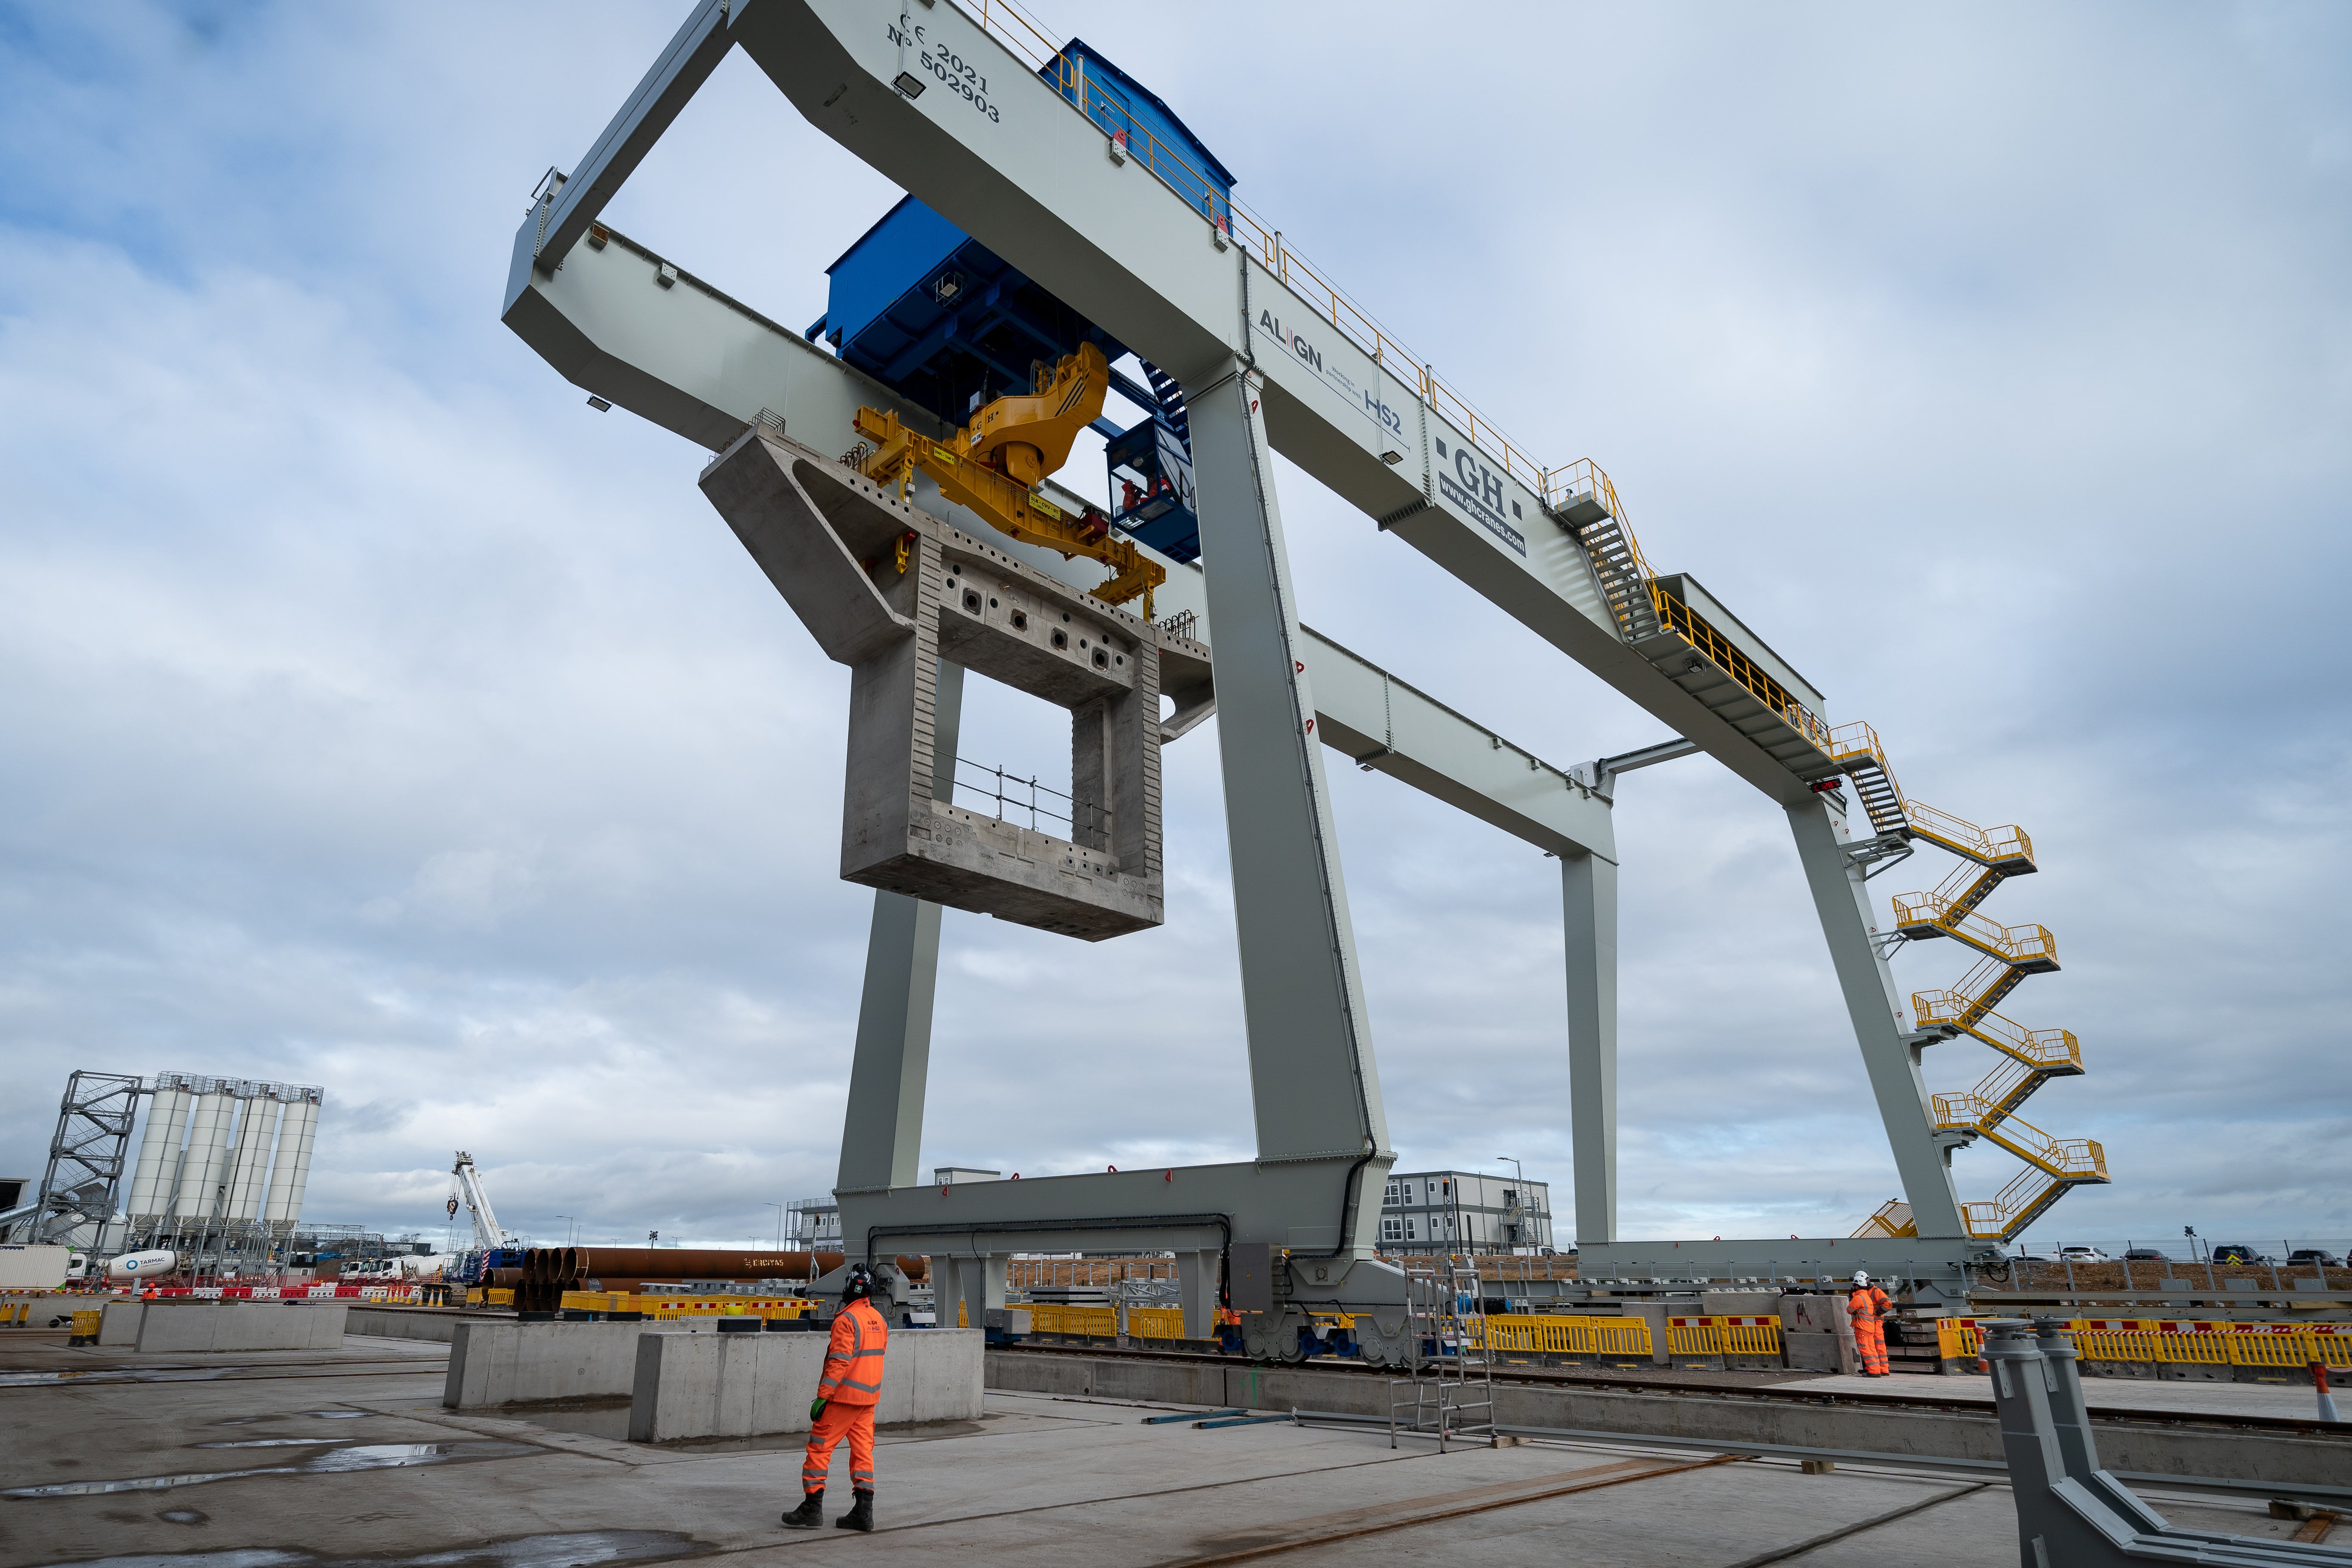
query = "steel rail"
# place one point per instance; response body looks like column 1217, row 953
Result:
column 1781, row 1394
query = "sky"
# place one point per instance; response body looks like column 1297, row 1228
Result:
column 379, row 716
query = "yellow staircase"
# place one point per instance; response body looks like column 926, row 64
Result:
column 2007, row 955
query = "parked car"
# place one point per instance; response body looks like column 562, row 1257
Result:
column 2235, row 1253
column 2312, row 1258
column 2143, row 1255
column 2083, row 1255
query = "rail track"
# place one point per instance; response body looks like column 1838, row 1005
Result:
column 1716, row 1385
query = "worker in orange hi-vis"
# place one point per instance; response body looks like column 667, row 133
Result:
column 1868, row 1307
column 846, row 1397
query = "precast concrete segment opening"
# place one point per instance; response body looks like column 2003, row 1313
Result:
column 889, row 591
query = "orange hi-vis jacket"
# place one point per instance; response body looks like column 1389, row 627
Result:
column 852, row 1361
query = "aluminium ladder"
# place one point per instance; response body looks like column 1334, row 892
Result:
column 1451, row 1394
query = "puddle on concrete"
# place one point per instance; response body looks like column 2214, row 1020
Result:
column 337, row 1415
column 593, row 1417
column 184, row 1516
column 581, row 1549
column 366, row 1456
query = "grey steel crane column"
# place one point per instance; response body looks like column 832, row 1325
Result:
column 1588, row 905
column 1313, row 1083
column 1890, row 1050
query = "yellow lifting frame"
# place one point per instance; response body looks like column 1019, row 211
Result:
column 996, row 461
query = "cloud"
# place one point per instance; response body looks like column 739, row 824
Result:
column 381, row 717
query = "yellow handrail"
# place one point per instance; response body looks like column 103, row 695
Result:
column 2013, row 944
column 2045, row 1048
column 1693, row 629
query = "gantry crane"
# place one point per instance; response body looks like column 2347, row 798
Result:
column 1056, row 206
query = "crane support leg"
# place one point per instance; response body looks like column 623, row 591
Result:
column 1313, row 1081
column 1589, row 897
column 882, row 1132
column 1879, row 1024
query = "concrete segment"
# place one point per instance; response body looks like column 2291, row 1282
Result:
column 182, row 1327
column 118, row 1327
column 743, row 1385
column 429, row 1323
column 515, row 1362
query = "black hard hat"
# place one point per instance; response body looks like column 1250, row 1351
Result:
column 858, row 1285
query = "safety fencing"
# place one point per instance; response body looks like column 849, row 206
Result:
column 2178, row 1342
column 395, row 1293
column 1724, row 1336
column 1054, row 1320
column 1529, row 1333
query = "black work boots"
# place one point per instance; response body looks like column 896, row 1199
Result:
column 859, row 1516
column 810, row 1514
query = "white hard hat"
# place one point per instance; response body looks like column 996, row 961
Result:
column 1860, row 1278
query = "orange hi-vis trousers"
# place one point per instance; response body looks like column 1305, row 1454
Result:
column 836, row 1422
column 1869, row 1332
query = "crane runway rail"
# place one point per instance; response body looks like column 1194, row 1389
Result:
column 1716, row 1385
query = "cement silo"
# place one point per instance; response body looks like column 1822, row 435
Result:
column 206, row 1165
column 291, row 1172
column 153, row 1178
column 256, row 1136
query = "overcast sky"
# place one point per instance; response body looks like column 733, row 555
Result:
column 374, row 715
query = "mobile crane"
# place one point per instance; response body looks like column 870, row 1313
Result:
column 494, row 1247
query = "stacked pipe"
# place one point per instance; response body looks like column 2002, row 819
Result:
column 548, row 1272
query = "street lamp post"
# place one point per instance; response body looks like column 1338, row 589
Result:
column 572, row 1231
column 780, row 1225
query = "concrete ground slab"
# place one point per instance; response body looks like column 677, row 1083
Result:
column 1048, row 1478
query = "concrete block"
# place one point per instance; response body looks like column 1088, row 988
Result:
column 185, row 1327
column 746, row 1386
column 1814, row 1314
column 120, row 1326
column 1760, row 1303
column 1809, row 1352
column 507, row 1362
column 405, row 1323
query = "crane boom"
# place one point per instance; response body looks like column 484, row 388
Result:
column 487, row 1231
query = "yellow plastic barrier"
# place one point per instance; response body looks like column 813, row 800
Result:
column 1547, row 1335
column 2178, row 1342
column 1723, row 1336
column 1096, row 1323
column 2257, row 1344
column 1046, row 1318
column 85, row 1327
column 496, row 1297
column 1155, row 1323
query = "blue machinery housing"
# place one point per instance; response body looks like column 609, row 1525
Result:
column 946, row 323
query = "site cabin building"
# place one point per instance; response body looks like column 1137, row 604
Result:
column 1465, row 1211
